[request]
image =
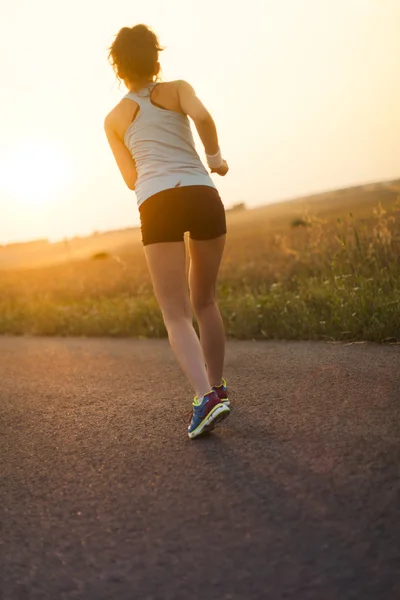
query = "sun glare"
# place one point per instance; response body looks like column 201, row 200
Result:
column 34, row 173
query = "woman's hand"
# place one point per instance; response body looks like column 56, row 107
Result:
column 222, row 170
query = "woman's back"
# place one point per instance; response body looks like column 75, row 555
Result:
column 160, row 141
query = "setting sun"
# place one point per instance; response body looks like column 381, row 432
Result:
column 34, row 173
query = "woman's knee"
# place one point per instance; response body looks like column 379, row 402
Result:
column 176, row 312
column 202, row 303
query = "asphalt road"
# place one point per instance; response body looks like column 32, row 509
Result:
column 295, row 496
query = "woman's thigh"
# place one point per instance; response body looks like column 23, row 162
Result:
column 167, row 265
column 205, row 260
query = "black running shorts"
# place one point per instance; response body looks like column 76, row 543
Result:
column 167, row 215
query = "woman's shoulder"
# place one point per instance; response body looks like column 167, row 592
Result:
column 176, row 84
column 172, row 83
column 124, row 107
column 120, row 117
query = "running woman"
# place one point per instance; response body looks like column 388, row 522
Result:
column 151, row 140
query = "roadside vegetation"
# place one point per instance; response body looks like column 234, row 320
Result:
column 302, row 276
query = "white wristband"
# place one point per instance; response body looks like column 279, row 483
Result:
column 215, row 161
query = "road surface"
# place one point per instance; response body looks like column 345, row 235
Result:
column 295, row 496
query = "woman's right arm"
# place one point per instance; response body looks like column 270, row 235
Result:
column 195, row 109
column 123, row 158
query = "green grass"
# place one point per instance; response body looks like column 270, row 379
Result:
column 330, row 278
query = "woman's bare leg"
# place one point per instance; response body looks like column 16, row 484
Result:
column 205, row 260
column 167, row 266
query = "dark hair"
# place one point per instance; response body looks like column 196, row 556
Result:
column 134, row 53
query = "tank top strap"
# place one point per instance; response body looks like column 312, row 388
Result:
column 142, row 97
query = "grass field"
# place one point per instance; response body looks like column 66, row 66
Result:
column 325, row 267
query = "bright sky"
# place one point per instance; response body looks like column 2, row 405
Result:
column 305, row 95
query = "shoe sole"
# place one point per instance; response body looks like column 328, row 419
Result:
column 219, row 418
column 216, row 415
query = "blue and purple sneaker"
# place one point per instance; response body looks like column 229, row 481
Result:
column 222, row 391
column 207, row 414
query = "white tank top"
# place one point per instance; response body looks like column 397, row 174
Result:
column 162, row 146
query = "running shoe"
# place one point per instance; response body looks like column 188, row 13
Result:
column 207, row 414
column 222, row 391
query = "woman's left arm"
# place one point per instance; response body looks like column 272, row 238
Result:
column 123, row 157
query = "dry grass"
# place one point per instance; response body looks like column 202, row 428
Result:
column 330, row 277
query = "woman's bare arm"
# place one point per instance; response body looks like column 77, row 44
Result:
column 122, row 156
column 192, row 106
